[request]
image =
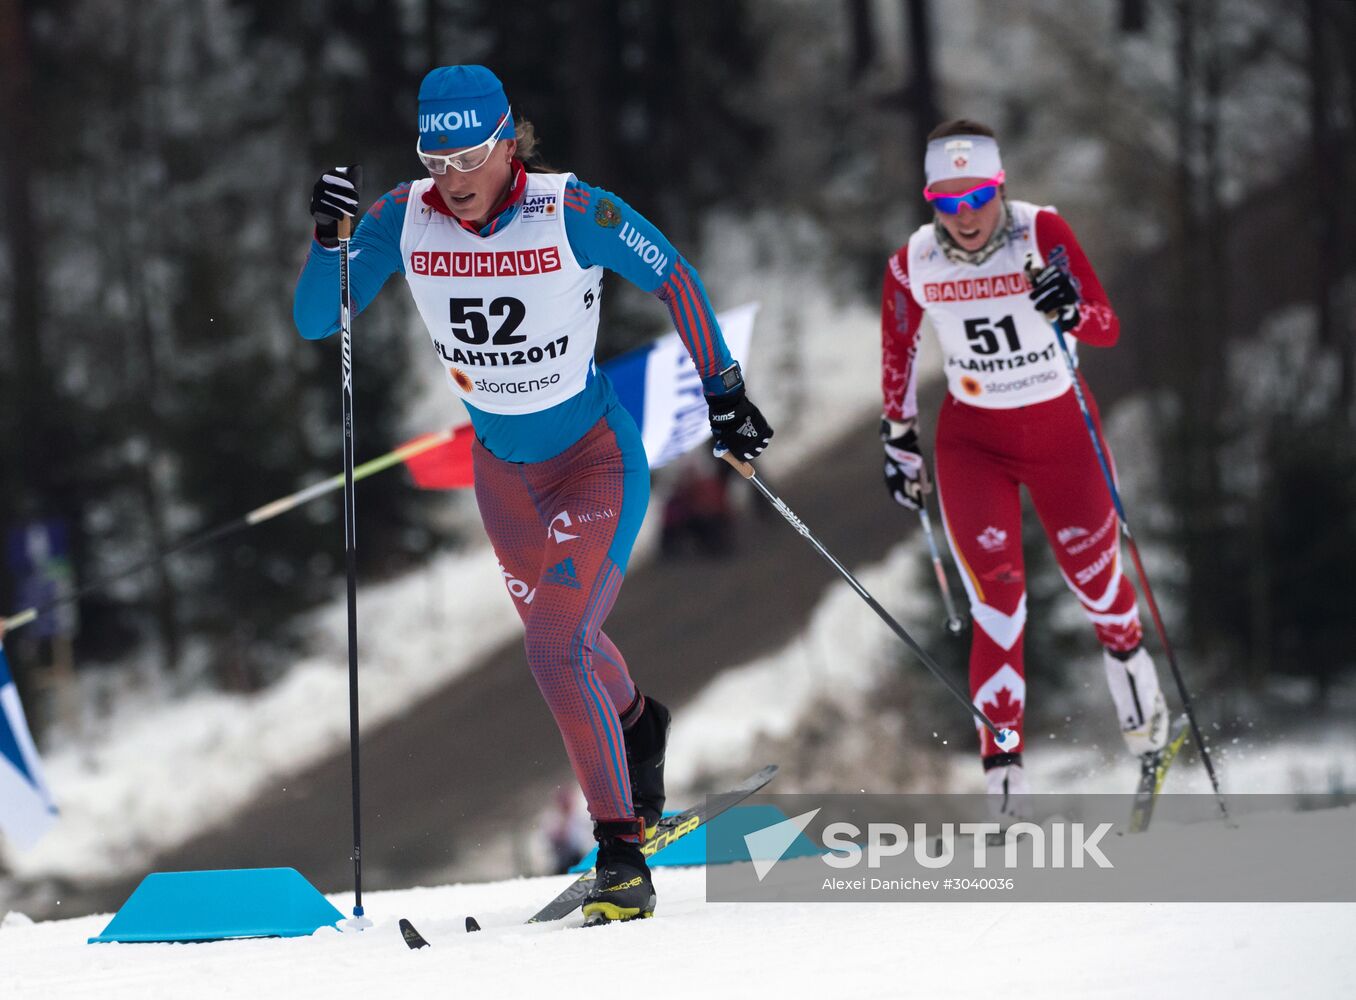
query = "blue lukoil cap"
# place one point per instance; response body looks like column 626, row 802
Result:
column 460, row 106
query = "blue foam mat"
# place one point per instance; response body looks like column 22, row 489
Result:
column 219, row 905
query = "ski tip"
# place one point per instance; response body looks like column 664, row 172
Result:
column 472, row 925
column 412, row 937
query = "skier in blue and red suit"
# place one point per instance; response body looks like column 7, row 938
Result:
column 505, row 263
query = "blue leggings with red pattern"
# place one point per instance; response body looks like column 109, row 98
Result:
column 563, row 531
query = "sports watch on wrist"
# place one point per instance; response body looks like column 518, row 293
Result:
column 732, row 378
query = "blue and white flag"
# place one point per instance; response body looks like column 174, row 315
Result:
column 26, row 807
column 661, row 389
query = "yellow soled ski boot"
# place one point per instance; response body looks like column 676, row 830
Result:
column 622, row 889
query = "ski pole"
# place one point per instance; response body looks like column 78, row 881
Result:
column 954, row 623
column 259, row 515
column 351, row 556
column 1072, row 365
column 1007, row 739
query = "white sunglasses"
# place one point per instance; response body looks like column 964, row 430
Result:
column 468, row 159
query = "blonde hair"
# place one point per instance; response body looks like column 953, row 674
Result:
column 529, row 148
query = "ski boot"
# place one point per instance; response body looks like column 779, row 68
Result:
column 1139, row 702
column 1005, row 782
column 646, row 739
column 622, row 889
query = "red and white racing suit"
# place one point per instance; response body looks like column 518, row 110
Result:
column 1010, row 419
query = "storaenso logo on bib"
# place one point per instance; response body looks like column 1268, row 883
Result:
column 516, row 388
column 1023, row 383
column 449, row 121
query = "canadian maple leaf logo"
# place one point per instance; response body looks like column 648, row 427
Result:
column 992, row 539
column 1002, row 708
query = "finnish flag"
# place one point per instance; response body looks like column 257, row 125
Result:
column 26, row 808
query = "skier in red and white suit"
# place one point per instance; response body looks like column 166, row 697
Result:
column 1010, row 419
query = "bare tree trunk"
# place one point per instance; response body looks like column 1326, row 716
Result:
column 1213, row 305
column 921, row 90
column 431, row 33
column 32, row 393
column 1322, row 136
column 1134, row 16
column 588, row 58
column 863, row 38
column 1344, row 17
column 1187, row 314
column 1328, row 144
column 131, row 248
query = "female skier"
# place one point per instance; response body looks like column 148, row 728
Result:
column 505, row 263
column 1010, row 419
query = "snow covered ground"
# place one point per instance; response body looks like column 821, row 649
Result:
column 723, row 950
column 162, row 771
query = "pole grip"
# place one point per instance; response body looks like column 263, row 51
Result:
column 745, row 469
column 345, row 227
column 1031, row 280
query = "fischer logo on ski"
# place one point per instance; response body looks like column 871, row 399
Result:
column 670, row 828
column 1153, row 772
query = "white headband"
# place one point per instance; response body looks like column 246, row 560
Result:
column 962, row 156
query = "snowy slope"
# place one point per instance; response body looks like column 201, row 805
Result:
column 162, row 772
column 728, row 950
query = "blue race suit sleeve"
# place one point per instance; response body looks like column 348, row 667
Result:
column 373, row 256
column 604, row 230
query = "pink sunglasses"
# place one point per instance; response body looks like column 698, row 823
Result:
column 976, row 197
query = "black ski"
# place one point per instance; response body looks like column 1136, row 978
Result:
column 412, row 937
column 671, row 828
column 415, row 940
column 1153, row 772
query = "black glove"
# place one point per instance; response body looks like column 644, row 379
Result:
column 906, row 474
column 1054, row 293
column 335, row 196
column 737, row 425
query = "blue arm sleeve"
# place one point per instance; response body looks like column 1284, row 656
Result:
column 373, row 256
column 606, row 231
